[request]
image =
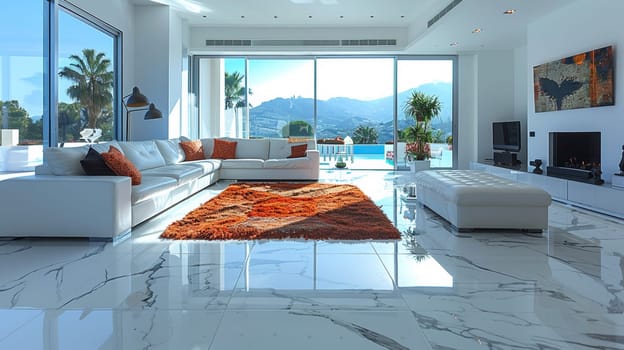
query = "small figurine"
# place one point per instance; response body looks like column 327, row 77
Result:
column 595, row 174
column 537, row 164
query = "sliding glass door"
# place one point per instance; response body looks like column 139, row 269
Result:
column 433, row 78
column 358, row 100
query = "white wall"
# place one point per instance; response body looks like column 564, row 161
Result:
column 486, row 94
column 152, row 70
column 467, row 111
column 579, row 27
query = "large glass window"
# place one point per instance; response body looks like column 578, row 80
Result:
column 281, row 97
column 354, row 106
column 86, row 77
column 46, row 54
column 355, row 100
column 433, row 78
column 21, row 85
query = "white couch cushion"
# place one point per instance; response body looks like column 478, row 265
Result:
column 171, row 150
column 292, row 163
column 477, row 188
column 182, row 173
column 105, row 146
column 150, row 186
column 251, row 148
column 143, row 154
column 281, row 148
column 206, row 165
column 208, row 144
column 242, row 163
column 64, row 160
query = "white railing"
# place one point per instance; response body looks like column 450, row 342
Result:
column 330, row 152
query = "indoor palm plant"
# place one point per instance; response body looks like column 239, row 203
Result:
column 422, row 108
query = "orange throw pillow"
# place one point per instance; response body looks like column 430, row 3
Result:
column 121, row 165
column 224, row 149
column 298, row 151
column 193, row 150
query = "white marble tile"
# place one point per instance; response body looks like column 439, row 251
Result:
column 116, row 330
column 313, row 329
column 544, row 329
column 436, row 288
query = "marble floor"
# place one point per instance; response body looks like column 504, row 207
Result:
column 434, row 289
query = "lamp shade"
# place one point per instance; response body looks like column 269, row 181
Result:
column 136, row 99
column 153, row 113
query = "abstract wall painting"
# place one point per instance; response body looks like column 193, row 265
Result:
column 579, row 81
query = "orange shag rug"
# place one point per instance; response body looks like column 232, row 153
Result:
column 250, row 211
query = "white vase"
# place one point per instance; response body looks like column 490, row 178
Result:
column 419, row 165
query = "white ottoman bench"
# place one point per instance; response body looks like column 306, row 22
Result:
column 472, row 199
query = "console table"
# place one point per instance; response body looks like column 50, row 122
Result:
column 604, row 198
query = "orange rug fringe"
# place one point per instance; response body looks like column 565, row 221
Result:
column 252, row 211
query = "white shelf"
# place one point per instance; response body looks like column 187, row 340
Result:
column 604, row 198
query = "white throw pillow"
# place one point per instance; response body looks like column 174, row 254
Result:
column 65, row 161
column 171, row 150
column 143, row 154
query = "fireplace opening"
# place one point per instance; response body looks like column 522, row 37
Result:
column 575, row 156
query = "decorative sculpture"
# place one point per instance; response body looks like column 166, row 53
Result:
column 537, row 164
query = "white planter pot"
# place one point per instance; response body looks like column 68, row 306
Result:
column 419, row 165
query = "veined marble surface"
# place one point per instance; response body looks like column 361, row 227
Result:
column 434, row 289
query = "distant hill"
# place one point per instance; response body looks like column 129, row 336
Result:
column 340, row 116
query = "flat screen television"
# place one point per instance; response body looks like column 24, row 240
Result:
column 506, row 136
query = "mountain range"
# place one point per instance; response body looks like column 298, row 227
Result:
column 340, row 116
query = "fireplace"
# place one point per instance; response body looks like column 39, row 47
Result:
column 575, row 156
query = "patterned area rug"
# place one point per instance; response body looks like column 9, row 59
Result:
column 253, row 211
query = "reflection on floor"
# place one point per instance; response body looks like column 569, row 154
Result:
column 435, row 289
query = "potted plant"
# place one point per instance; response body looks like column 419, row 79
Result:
column 449, row 142
column 422, row 108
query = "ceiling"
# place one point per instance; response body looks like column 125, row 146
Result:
column 452, row 33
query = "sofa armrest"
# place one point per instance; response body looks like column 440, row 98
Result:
column 65, row 206
column 313, row 154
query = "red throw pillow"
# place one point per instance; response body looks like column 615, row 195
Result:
column 121, row 165
column 224, row 149
column 298, row 151
column 193, row 150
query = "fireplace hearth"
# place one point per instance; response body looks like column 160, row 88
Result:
column 575, row 156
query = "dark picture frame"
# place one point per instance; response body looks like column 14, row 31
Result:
column 579, row 81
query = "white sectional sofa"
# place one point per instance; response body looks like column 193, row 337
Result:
column 60, row 200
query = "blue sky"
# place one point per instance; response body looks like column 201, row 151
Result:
column 357, row 78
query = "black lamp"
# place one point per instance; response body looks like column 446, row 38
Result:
column 135, row 100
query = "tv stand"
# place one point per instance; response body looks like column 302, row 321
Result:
column 506, row 159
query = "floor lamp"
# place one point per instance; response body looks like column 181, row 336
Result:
column 133, row 103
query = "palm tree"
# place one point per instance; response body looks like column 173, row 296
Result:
column 234, row 91
column 93, row 83
column 235, row 96
column 421, row 108
column 365, row 135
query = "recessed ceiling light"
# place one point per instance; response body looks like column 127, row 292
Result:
column 243, row 16
column 454, row 44
column 372, row 16
column 341, row 16
column 309, row 16
column 274, row 16
column 510, row 12
column 476, row 30
column 402, row 16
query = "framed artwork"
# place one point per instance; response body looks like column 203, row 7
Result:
column 579, row 81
